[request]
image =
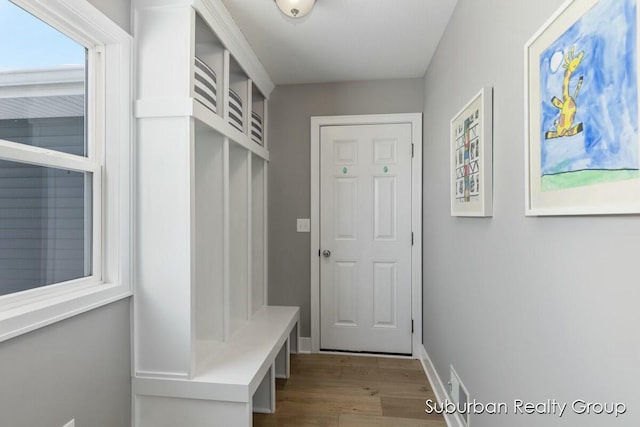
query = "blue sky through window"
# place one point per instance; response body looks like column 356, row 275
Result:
column 27, row 42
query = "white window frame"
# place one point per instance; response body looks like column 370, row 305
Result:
column 109, row 159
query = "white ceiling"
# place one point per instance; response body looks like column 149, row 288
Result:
column 344, row 40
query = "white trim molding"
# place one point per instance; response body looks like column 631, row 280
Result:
column 452, row 420
column 304, row 345
column 415, row 119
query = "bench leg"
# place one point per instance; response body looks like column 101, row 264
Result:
column 282, row 362
column 264, row 399
column 294, row 339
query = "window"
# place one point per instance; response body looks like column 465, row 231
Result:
column 64, row 162
column 46, row 211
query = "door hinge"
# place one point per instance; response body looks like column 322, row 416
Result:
column 412, row 238
column 411, row 325
column 412, row 146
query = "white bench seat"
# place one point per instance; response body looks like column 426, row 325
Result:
column 228, row 380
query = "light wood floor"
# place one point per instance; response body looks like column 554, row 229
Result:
column 350, row 391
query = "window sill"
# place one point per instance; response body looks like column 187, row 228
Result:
column 19, row 319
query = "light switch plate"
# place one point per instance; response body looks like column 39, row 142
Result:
column 304, row 225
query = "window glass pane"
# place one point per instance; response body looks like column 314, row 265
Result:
column 45, row 226
column 42, row 84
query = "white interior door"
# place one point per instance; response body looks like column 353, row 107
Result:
column 365, row 238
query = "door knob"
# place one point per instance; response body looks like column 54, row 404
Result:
column 326, row 253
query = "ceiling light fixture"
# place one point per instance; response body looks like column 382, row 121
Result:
column 295, row 8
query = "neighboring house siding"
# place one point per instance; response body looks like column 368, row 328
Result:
column 42, row 227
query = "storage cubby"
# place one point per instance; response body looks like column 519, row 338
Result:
column 239, row 97
column 258, row 231
column 209, row 290
column 240, row 233
column 209, row 50
column 258, row 129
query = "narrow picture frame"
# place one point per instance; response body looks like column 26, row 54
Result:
column 582, row 145
column 471, row 157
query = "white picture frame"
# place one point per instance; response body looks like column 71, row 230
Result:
column 572, row 161
column 471, row 157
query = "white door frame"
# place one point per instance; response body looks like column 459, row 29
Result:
column 415, row 119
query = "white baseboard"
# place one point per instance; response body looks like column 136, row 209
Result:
column 452, row 420
column 304, row 345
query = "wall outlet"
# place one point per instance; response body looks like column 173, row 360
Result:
column 303, row 225
column 71, row 423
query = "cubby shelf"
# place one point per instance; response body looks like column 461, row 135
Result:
column 203, row 331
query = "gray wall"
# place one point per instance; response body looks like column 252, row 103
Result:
column 290, row 110
column 77, row 368
column 524, row 308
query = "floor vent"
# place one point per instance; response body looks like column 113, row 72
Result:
column 459, row 395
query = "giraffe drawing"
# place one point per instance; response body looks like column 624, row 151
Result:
column 567, row 106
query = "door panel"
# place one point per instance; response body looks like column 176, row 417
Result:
column 346, row 293
column 384, row 208
column 346, row 208
column 365, row 211
column 384, row 295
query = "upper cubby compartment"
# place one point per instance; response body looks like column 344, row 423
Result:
column 208, row 68
column 202, row 68
column 258, row 119
column 239, row 96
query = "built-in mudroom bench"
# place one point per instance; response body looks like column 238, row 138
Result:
column 207, row 347
column 230, row 384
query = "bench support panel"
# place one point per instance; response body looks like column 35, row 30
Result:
column 282, row 364
column 155, row 411
column 264, row 399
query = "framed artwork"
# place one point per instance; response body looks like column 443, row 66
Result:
column 471, row 157
column 582, row 151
